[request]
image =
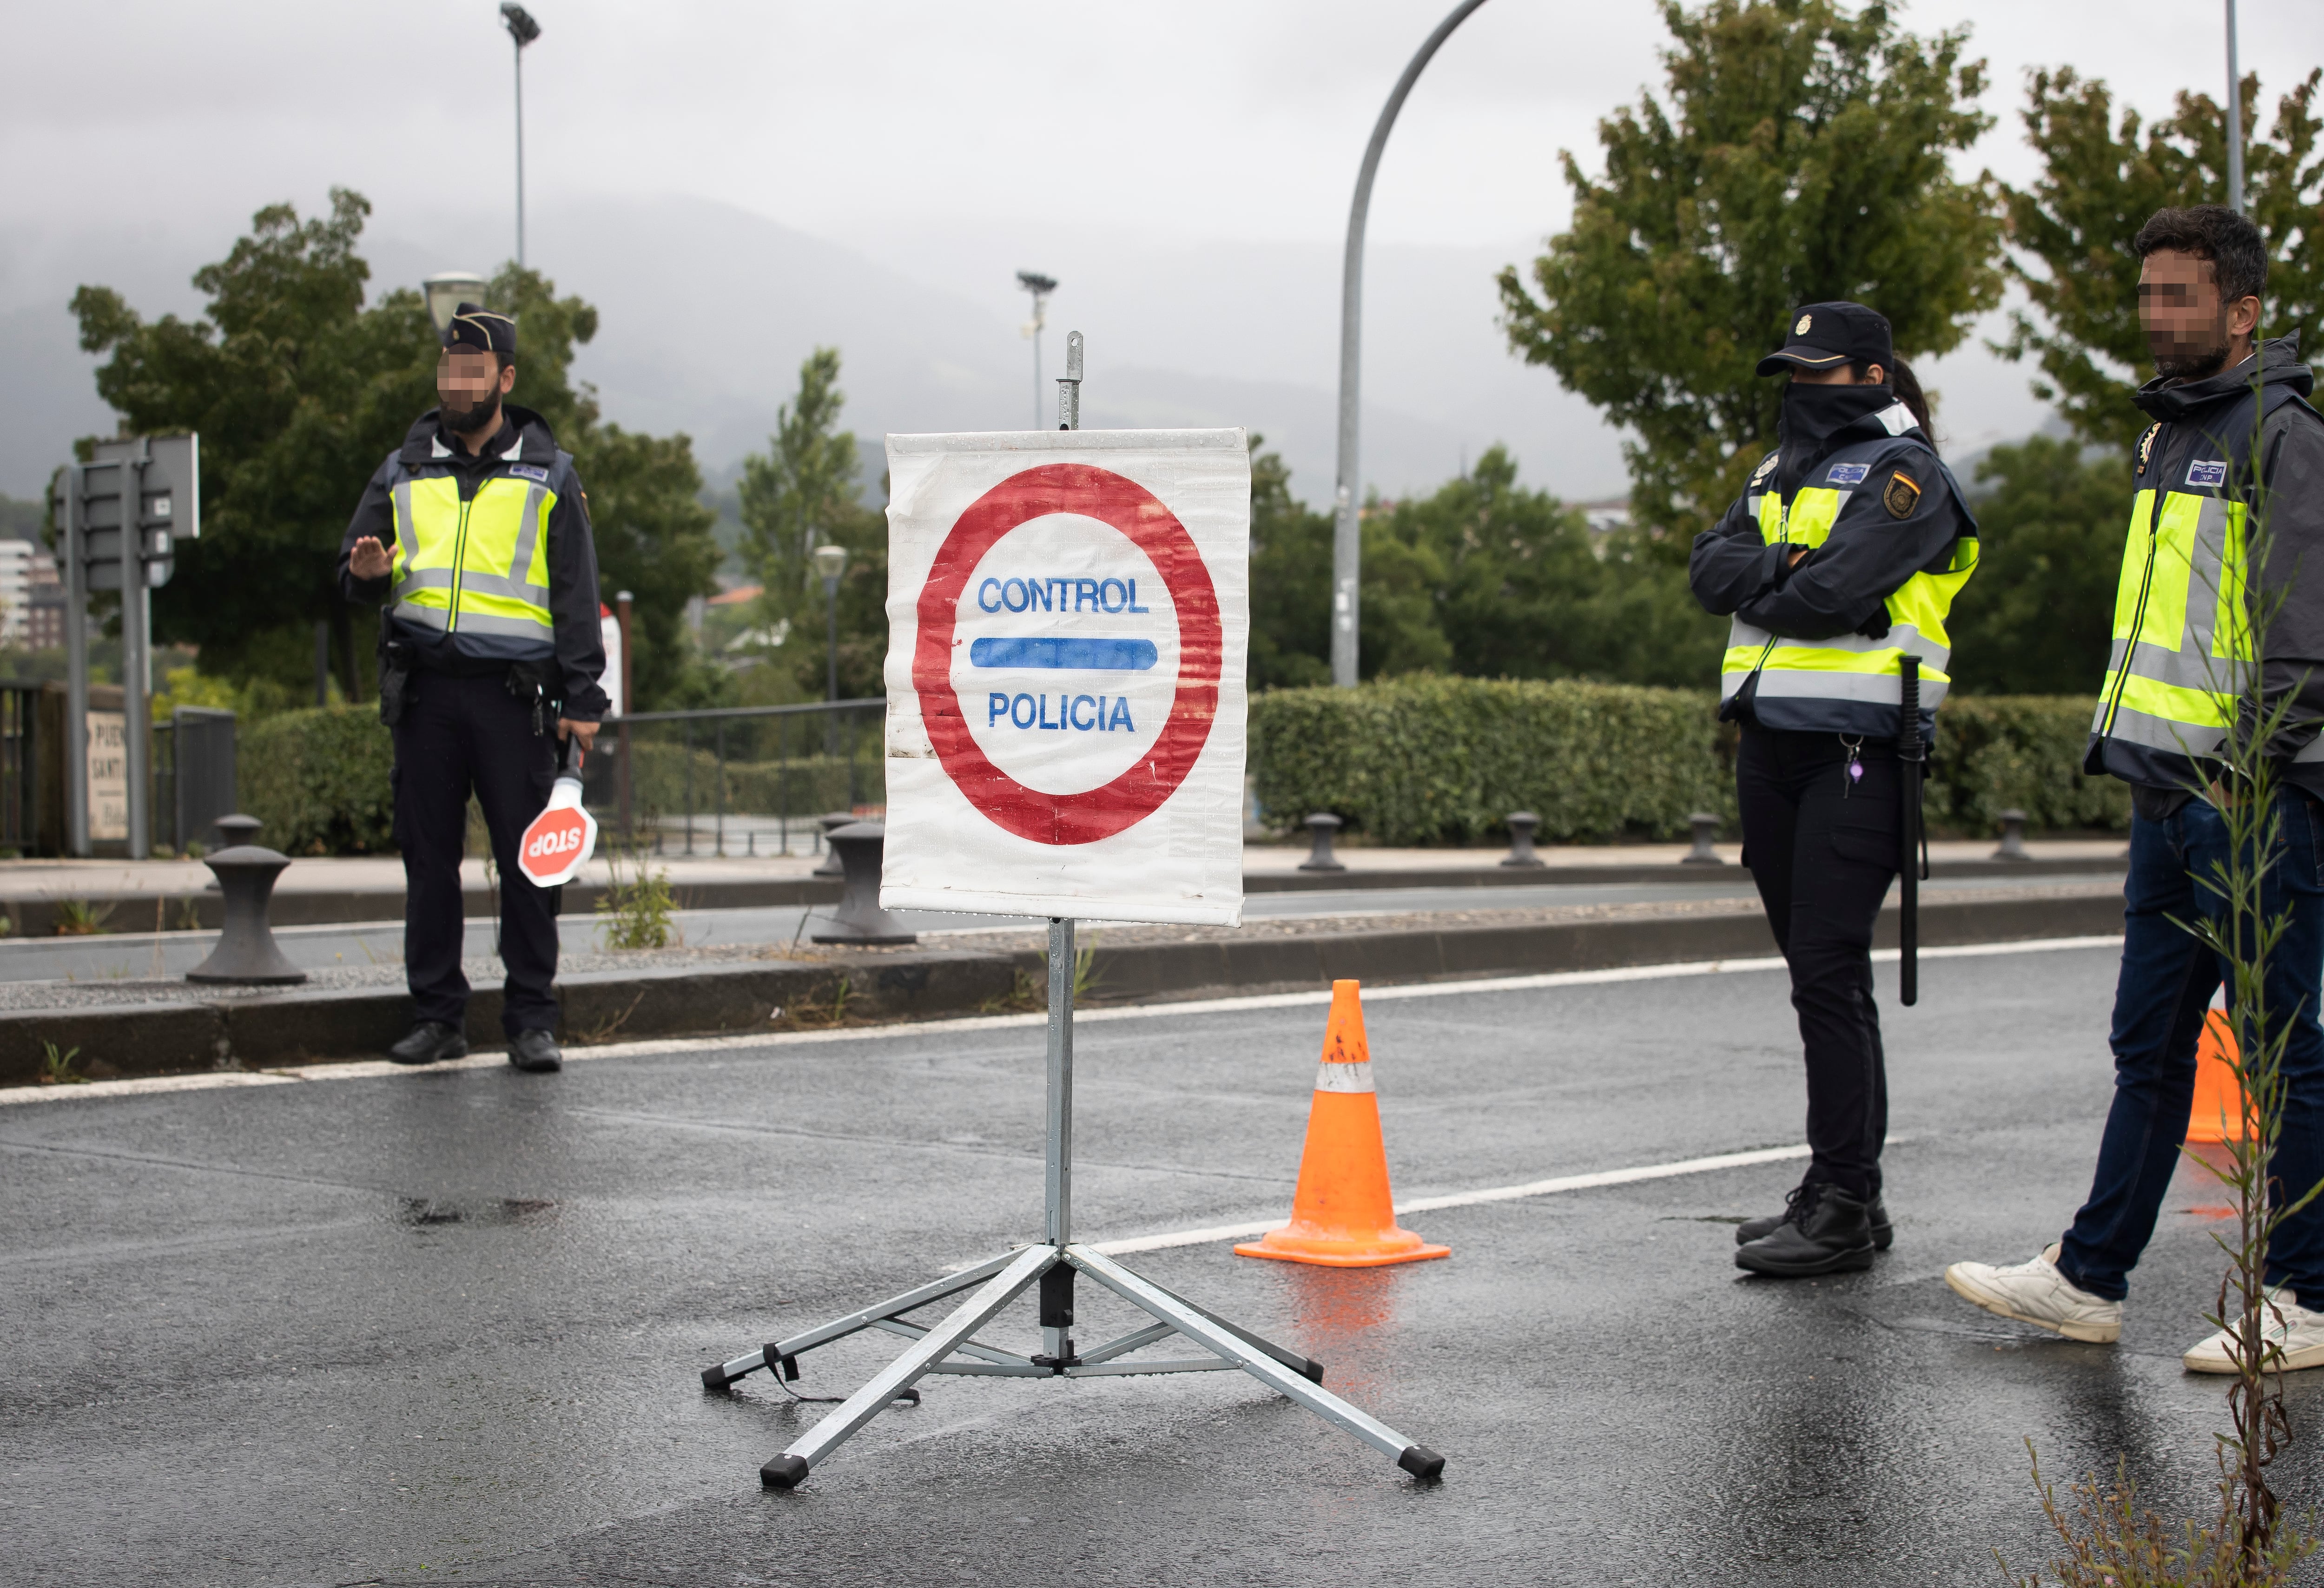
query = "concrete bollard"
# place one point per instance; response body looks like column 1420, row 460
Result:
column 1522, row 824
column 1319, row 828
column 831, row 866
column 1706, row 833
column 859, row 920
column 245, row 954
column 2013, row 836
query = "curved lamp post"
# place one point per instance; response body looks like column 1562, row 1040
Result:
column 1347, row 550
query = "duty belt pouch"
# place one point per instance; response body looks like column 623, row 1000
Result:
column 395, row 659
column 533, row 681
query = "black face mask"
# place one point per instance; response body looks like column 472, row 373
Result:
column 1813, row 414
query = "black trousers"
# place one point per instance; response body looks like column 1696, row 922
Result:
column 457, row 735
column 1822, row 850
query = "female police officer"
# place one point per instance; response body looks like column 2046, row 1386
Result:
column 1843, row 555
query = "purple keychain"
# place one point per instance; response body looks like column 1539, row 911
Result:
column 1855, row 747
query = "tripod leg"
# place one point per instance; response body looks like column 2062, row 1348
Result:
column 1198, row 1326
column 790, row 1469
column 767, row 1356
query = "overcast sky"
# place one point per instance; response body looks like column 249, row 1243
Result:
column 891, row 126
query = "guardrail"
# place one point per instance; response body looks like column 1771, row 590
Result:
column 737, row 781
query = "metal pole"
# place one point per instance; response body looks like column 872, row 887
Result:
column 520, row 149
column 75, row 527
column 136, row 667
column 1910, row 754
column 1347, row 545
column 622, row 604
column 831, row 648
column 1058, row 1188
column 2234, row 127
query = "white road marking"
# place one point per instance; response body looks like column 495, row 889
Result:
column 366, row 1069
column 1652, row 1171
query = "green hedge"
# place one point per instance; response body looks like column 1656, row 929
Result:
column 1422, row 759
column 318, row 780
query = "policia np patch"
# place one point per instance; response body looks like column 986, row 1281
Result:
column 1903, row 495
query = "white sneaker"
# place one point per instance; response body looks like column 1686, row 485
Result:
column 2036, row 1293
column 2291, row 1336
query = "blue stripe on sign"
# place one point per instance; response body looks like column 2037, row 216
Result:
column 1128, row 656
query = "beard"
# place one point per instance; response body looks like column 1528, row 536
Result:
column 2183, row 363
column 466, row 421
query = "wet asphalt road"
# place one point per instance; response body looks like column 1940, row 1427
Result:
column 447, row 1327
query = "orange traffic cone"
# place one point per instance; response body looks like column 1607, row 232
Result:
column 1341, row 1214
column 2220, row 1113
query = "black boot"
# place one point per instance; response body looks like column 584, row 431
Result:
column 535, row 1050
column 430, row 1042
column 1825, row 1231
column 1884, row 1234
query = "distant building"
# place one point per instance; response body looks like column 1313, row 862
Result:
column 15, row 590
column 42, row 612
column 1604, row 517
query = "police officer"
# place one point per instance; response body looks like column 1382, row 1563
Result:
column 476, row 534
column 1843, row 554
column 2233, row 430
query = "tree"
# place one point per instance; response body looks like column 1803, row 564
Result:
column 1290, row 578
column 804, row 492
column 2102, row 177
column 2039, row 616
column 299, row 391
column 1804, row 158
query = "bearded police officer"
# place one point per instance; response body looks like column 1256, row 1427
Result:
column 1843, row 555
column 476, row 534
column 2232, row 430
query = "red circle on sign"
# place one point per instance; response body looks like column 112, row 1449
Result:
column 1139, row 515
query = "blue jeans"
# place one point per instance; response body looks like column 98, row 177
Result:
column 2166, row 985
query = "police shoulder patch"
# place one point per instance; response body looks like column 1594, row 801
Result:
column 1766, row 466
column 1849, row 474
column 2212, row 471
column 2147, row 447
column 1903, row 495
column 528, row 471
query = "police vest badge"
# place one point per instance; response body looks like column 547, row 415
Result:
column 1903, row 495
column 2147, row 447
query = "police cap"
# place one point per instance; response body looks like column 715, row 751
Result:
column 1826, row 334
column 475, row 325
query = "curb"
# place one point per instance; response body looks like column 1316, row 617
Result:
column 34, row 915
column 273, row 1030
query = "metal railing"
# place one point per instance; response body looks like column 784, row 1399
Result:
column 743, row 781
column 19, row 771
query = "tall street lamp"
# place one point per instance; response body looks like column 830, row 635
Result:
column 1040, row 286
column 1347, row 545
column 447, row 291
column 524, row 31
column 831, row 561
column 2234, row 127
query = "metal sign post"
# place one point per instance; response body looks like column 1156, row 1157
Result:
column 122, row 514
column 948, row 1347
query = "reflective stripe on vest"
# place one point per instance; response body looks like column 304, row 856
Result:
column 1852, row 667
column 2181, row 647
column 477, row 566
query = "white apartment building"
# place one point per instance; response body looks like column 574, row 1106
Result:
column 15, row 590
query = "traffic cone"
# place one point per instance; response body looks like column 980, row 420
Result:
column 2220, row 1113
column 1341, row 1215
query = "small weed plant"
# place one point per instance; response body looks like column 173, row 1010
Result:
column 639, row 911
column 57, row 1067
column 78, row 917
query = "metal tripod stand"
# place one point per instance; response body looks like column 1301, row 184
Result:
column 947, row 1347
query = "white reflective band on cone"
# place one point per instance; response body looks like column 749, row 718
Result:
column 1343, row 1077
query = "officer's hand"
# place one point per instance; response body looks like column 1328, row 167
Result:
column 584, row 731
column 369, row 559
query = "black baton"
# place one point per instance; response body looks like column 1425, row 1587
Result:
column 1909, row 755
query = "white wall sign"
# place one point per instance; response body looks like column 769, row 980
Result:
column 1067, row 617
column 108, row 775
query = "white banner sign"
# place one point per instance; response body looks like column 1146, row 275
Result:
column 1067, row 614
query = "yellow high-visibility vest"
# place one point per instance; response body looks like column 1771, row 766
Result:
column 1849, row 683
column 478, row 567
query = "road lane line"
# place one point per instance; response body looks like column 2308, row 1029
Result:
column 1652, row 1171
column 366, row 1069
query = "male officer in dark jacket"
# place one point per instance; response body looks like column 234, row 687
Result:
column 2235, row 455
column 477, row 533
